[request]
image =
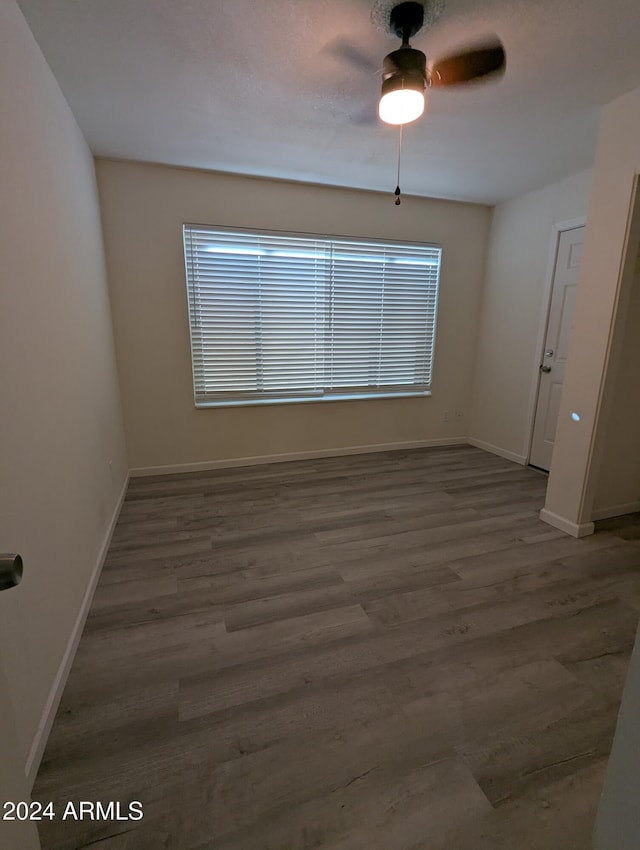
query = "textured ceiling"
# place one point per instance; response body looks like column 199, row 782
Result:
column 254, row 87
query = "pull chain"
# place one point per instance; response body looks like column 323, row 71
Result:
column 397, row 192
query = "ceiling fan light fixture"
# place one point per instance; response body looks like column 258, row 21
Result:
column 401, row 106
column 404, row 78
column 400, row 103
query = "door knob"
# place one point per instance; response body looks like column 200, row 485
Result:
column 10, row 571
column 545, row 368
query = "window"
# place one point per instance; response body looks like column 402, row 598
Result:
column 293, row 317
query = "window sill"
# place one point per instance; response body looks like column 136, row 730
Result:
column 259, row 402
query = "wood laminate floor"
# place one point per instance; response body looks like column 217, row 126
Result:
column 380, row 651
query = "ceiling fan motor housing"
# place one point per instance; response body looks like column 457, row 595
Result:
column 405, row 64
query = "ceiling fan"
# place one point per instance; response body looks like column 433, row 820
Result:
column 405, row 75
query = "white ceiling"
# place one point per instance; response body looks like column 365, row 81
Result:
column 252, row 86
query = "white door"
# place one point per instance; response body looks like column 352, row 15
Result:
column 554, row 359
column 14, row 834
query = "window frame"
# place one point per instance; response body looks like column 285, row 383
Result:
column 244, row 399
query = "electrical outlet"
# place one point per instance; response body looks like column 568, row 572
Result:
column 445, row 415
column 459, row 414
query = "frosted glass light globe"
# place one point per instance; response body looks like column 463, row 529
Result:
column 401, row 106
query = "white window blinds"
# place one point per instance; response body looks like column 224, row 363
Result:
column 286, row 317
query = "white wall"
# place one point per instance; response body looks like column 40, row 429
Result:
column 604, row 295
column 143, row 209
column 513, row 309
column 618, row 482
column 60, row 416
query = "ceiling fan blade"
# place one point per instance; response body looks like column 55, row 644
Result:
column 468, row 66
column 347, row 51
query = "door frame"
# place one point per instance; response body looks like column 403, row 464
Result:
column 557, row 230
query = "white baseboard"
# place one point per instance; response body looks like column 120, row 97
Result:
column 496, row 450
column 256, row 460
column 616, row 510
column 575, row 529
column 55, row 694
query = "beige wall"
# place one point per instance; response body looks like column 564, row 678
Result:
column 143, row 209
column 513, row 310
column 618, row 483
column 60, row 417
column 603, row 295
